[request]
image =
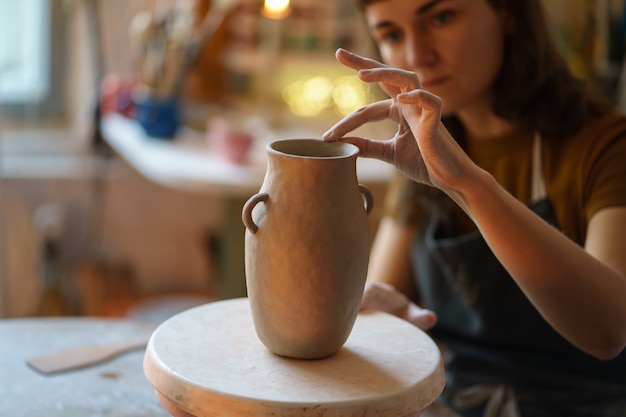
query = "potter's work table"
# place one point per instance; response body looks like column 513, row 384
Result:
column 209, row 362
column 117, row 387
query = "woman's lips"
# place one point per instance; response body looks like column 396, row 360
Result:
column 433, row 82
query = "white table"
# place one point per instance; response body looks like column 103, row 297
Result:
column 188, row 164
column 208, row 361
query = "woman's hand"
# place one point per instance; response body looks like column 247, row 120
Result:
column 422, row 148
column 383, row 297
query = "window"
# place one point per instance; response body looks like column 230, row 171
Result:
column 24, row 51
column 31, row 49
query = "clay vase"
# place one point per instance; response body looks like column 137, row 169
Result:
column 307, row 247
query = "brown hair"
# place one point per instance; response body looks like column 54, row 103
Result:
column 535, row 87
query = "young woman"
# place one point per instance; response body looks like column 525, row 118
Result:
column 509, row 222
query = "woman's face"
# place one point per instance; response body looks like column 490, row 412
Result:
column 454, row 46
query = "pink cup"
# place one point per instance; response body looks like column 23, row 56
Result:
column 229, row 142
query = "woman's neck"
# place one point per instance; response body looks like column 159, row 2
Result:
column 484, row 124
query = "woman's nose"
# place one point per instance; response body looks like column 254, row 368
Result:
column 419, row 52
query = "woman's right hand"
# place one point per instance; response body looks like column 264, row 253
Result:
column 422, row 148
column 384, row 297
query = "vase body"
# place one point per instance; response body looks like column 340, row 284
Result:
column 307, row 247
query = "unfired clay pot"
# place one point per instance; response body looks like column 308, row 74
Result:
column 307, row 247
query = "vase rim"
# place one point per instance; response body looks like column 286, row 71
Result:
column 312, row 148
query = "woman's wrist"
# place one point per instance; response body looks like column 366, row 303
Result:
column 474, row 192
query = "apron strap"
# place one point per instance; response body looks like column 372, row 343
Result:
column 538, row 185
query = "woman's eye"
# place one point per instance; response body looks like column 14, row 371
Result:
column 442, row 18
column 390, row 36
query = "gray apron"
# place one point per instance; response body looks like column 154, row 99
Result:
column 502, row 357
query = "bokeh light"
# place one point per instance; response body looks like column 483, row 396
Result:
column 309, row 96
column 276, row 9
column 349, row 94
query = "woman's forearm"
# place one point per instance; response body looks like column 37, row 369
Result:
column 580, row 296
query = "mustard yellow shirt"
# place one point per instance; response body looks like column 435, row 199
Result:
column 582, row 174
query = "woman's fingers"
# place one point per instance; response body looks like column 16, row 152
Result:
column 359, row 63
column 354, row 61
column 368, row 148
column 421, row 109
column 422, row 318
column 383, row 150
column 443, row 157
column 384, row 297
column 371, row 113
column 403, row 80
column 422, row 148
column 421, row 98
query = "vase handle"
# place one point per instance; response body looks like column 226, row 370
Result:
column 369, row 198
column 246, row 213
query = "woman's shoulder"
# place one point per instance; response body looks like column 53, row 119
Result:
column 586, row 172
column 595, row 136
column 609, row 126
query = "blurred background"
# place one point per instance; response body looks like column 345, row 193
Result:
column 102, row 211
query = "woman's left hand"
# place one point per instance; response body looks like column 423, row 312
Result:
column 384, row 297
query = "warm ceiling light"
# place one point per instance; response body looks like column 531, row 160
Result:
column 276, row 9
